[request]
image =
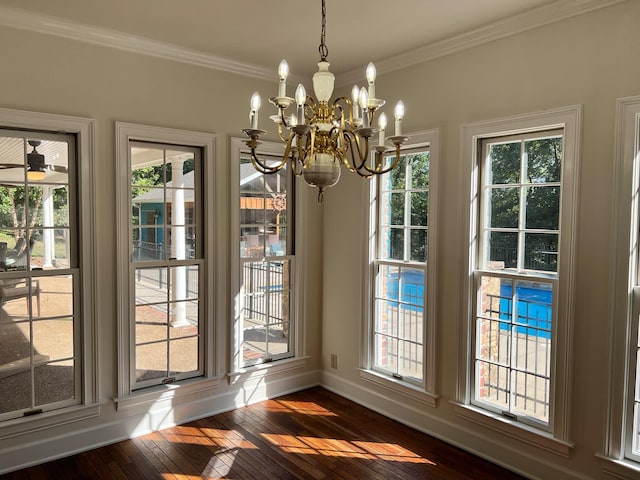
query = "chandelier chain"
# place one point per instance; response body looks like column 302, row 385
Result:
column 324, row 51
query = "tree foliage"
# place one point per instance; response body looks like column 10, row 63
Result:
column 531, row 168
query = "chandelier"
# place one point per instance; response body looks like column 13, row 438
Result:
column 321, row 136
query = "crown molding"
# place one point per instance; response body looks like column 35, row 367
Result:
column 537, row 17
column 24, row 20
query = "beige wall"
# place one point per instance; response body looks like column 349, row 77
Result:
column 590, row 60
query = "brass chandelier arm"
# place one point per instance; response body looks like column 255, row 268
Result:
column 381, row 171
column 263, row 168
column 356, row 166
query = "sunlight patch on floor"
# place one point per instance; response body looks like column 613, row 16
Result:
column 303, row 408
column 331, row 447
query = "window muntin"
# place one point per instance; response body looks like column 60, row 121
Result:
column 516, row 278
column 39, row 273
column 166, row 265
column 266, row 264
column 400, row 264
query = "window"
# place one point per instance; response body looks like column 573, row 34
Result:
column 517, row 274
column 520, row 265
column 46, row 319
column 401, row 329
column 164, row 307
column 266, row 316
column 623, row 439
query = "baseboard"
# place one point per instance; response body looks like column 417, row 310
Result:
column 113, row 427
column 449, row 432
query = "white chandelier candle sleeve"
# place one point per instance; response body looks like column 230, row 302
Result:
column 364, row 105
column 283, row 72
column 371, row 79
column 255, row 107
column 301, row 97
column 355, row 98
column 382, row 124
column 399, row 114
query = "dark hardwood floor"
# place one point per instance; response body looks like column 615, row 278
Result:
column 309, row 435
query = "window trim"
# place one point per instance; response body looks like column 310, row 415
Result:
column 85, row 131
column 569, row 119
column 237, row 371
column 126, row 133
column 427, row 392
column 624, row 271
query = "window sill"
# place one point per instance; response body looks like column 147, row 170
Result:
column 163, row 393
column 619, row 468
column 46, row 420
column 399, row 387
column 264, row 369
column 513, row 429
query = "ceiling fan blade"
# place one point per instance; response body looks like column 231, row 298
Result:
column 58, row 168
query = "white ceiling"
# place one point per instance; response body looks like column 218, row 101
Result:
column 259, row 33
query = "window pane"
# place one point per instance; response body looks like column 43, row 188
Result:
column 541, row 251
column 15, row 339
column 52, row 296
column 54, row 382
column 505, row 207
column 504, row 163
column 418, row 245
column 419, row 208
column 544, row 160
column 151, row 361
column 151, row 285
column 392, row 209
column 396, row 178
column 503, row 250
column 543, row 207
column 183, row 355
column 392, row 247
column 419, row 164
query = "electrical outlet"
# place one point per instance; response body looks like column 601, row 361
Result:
column 334, row 361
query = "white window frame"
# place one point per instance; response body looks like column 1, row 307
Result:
column 237, row 371
column 556, row 439
column 212, row 362
column 84, row 131
column 618, row 458
column 426, row 392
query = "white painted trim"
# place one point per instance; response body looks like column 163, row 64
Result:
column 570, row 119
column 514, row 430
column 621, row 328
column 621, row 469
column 263, row 370
column 396, row 387
column 149, row 419
column 537, row 17
column 60, row 27
column 165, row 393
column 124, row 133
column 454, row 433
column 85, row 129
column 18, row 427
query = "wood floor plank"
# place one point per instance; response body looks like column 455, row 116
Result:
column 309, row 435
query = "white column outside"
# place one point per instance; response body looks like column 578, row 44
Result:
column 178, row 245
column 47, row 222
